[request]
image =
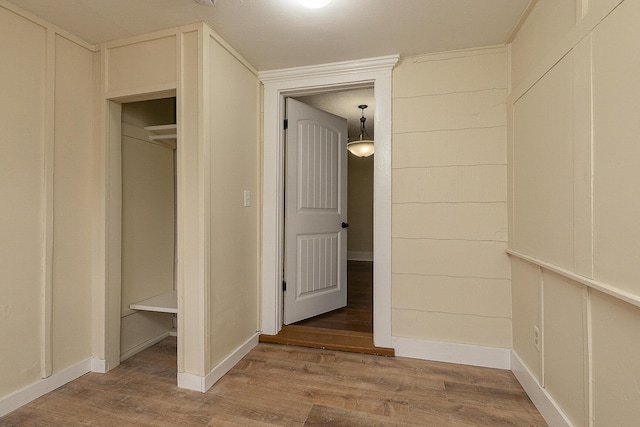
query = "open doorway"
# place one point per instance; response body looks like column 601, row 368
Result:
column 357, row 316
column 148, row 290
column 278, row 84
column 141, row 245
column 350, row 327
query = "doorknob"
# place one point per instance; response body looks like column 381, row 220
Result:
column 345, row 225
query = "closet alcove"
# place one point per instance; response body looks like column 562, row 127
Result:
column 148, row 295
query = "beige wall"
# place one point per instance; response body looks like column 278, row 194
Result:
column 140, row 68
column 360, row 206
column 73, row 201
column 58, row 306
column 233, row 98
column 46, row 112
column 217, row 159
column 450, row 272
column 575, row 203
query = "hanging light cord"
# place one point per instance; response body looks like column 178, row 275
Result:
column 363, row 130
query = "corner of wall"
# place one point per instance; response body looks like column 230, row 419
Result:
column 546, row 405
column 203, row 383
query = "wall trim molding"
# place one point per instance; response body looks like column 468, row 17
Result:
column 542, row 400
column 463, row 354
column 381, row 63
column 41, row 387
column 202, row 384
column 610, row 290
column 359, row 256
column 99, row 366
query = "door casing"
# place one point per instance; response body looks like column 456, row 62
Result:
column 372, row 72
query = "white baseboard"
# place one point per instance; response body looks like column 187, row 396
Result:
column 202, row 384
column 547, row 406
column 360, row 256
column 99, row 365
column 41, row 387
column 143, row 346
column 464, row 354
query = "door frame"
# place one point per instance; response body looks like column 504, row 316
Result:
column 113, row 218
column 371, row 72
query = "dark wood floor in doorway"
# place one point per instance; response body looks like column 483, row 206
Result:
column 346, row 329
column 357, row 316
column 276, row 385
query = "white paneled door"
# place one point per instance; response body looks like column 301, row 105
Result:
column 315, row 212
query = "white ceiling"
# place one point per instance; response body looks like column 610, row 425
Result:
column 273, row 34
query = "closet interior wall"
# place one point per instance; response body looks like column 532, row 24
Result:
column 148, row 223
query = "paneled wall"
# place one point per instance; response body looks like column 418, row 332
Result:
column 574, row 206
column 217, row 96
column 73, row 200
column 233, row 136
column 449, row 198
column 22, row 178
column 45, row 187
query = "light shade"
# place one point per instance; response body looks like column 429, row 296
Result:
column 361, row 148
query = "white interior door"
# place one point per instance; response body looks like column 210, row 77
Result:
column 315, row 212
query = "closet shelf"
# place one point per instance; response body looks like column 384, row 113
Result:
column 163, row 133
column 164, row 303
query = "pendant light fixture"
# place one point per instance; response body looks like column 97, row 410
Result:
column 361, row 147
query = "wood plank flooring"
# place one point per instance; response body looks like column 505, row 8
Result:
column 331, row 339
column 278, row 385
column 357, row 316
column 346, row 329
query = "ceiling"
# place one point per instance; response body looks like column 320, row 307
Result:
column 274, row 34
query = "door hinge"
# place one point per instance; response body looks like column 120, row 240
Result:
column 286, row 124
column 284, row 285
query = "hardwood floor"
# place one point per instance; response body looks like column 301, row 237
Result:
column 278, row 385
column 331, row 339
column 346, row 329
column 357, row 316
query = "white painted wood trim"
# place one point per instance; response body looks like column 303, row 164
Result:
column 382, row 209
column 202, row 384
column 41, row 387
column 613, row 291
column 49, row 141
column 543, row 401
column 143, row 346
column 523, row 17
column 360, row 256
column 161, row 34
column 381, row 63
column 99, row 365
column 376, row 72
column 463, row 354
